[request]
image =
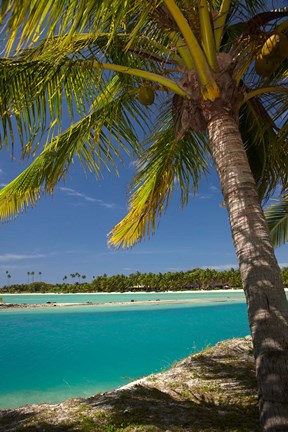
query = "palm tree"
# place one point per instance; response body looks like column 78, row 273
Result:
column 210, row 77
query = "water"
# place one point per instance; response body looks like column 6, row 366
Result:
column 50, row 355
column 117, row 297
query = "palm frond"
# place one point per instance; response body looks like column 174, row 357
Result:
column 168, row 162
column 33, row 94
column 277, row 219
column 246, row 10
column 34, row 90
column 98, row 139
column 24, row 23
column 65, row 54
column 244, row 39
column 266, row 144
column 39, row 83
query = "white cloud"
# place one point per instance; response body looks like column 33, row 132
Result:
column 17, row 257
column 3, row 185
column 74, row 193
column 214, row 188
column 214, row 191
column 64, row 189
column 204, row 197
column 107, row 205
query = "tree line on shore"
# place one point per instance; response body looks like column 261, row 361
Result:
column 195, row 279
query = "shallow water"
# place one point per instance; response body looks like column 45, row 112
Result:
column 51, row 355
column 123, row 297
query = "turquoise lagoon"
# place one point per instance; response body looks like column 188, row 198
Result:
column 49, row 355
column 124, row 297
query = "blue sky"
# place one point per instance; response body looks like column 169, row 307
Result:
column 67, row 233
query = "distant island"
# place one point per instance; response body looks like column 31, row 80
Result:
column 195, row 279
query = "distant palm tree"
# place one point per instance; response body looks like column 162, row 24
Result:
column 8, row 277
column 28, row 274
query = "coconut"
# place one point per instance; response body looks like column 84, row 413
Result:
column 265, row 66
column 275, row 47
column 146, row 95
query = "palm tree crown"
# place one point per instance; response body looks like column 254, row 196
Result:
column 178, row 53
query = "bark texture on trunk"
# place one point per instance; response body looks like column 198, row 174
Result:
column 261, row 278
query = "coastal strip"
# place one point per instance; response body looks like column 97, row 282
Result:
column 132, row 302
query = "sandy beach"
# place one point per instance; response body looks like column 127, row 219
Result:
column 130, row 292
column 112, row 304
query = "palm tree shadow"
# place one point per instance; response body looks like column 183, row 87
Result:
column 224, row 395
column 198, row 412
column 13, row 420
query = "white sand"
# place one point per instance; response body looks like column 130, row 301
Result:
column 131, row 292
column 113, row 304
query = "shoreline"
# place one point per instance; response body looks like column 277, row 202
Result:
column 12, row 306
column 191, row 395
column 129, row 292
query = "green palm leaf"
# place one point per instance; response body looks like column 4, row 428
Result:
column 266, row 145
column 98, row 139
column 165, row 164
column 27, row 21
column 40, row 84
column 34, row 92
column 277, row 219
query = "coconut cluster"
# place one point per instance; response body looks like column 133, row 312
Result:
column 273, row 52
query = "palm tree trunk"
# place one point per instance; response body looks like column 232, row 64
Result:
column 260, row 273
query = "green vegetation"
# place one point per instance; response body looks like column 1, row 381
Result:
column 196, row 279
column 277, row 218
